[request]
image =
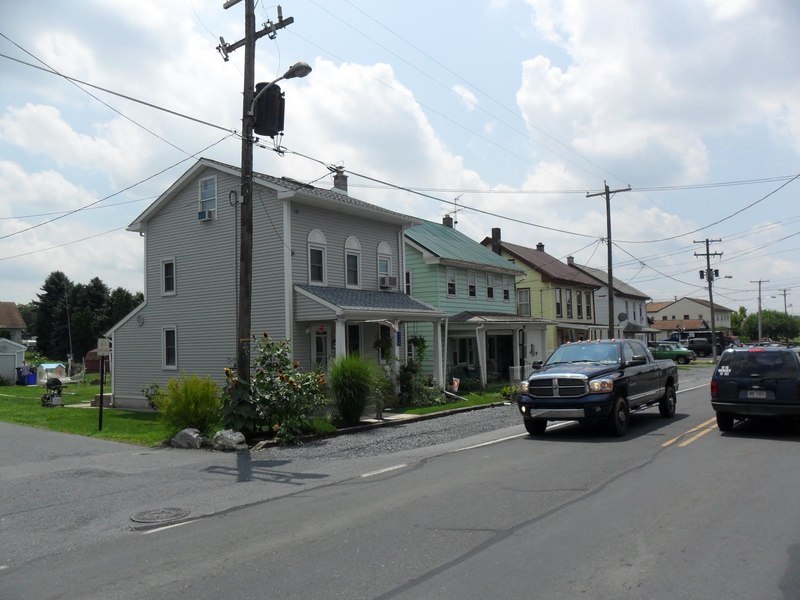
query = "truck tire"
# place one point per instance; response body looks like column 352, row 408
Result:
column 725, row 421
column 619, row 418
column 666, row 405
column 535, row 426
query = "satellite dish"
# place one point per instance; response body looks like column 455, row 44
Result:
column 622, row 317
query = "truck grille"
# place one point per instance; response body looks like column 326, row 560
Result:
column 560, row 387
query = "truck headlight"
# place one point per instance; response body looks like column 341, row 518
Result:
column 523, row 387
column 603, row 386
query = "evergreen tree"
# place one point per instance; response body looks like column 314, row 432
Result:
column 120, row 303
column 51, row 327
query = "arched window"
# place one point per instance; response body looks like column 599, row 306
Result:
column 317, row 250
column 384, row 260
column 352, row 262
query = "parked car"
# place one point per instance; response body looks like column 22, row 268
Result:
column 676, row 352
column 755, row 381
column 701, row 346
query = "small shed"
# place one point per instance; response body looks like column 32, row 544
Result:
column 47, row 370
column 12, row 355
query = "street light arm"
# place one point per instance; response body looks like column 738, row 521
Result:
column 298, row 69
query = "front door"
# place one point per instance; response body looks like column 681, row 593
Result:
column 321, row 347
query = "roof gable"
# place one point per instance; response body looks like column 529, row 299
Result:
column 620, row 287
column 10, row 317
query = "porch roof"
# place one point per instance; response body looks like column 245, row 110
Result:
column 361, row 304
column 489, row 318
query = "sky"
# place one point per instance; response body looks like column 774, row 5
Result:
column 501, row 113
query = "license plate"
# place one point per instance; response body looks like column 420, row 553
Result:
column 757, row 394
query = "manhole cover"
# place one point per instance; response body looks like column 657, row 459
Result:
column 160, row 515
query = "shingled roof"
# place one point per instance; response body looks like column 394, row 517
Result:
column 10, row 317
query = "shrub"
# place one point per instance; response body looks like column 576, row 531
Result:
column 190, row 402
column 509, row 393
column 4, row 381
column 351, row 380
column 280, row 398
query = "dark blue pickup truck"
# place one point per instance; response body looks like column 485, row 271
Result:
column 602, row 380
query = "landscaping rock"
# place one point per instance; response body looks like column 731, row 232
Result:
column 229, row 440
column 188, row 438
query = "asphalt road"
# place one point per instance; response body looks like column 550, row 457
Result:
column 674, row 510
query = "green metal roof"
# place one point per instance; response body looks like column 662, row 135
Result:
column 456, row 248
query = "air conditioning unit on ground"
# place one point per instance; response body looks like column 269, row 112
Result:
column 387, row 281
column 204, row 215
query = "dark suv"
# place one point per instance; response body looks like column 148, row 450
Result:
column 755, row 381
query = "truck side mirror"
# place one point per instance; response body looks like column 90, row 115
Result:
column 638, row 359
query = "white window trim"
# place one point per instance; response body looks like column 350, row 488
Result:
column 522, row 293
column 384, row 253
column 357, row 254
column 506, row 288
column 317, row 241
column 164, row 291
column 490, row 285
column 472, row 281
column 212, row 211
column 164, row 364
column 448, row 272
column 409, row 283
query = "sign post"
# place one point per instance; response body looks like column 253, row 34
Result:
column 103, row 351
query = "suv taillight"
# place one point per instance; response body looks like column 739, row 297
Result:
column 713, row 389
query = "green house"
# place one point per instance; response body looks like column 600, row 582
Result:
column 484, row 336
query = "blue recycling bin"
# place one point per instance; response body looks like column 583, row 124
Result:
column 32, row 378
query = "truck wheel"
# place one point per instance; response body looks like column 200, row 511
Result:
column 619, row 418
column 724, row 421
column 535, row 426
column 666, row 405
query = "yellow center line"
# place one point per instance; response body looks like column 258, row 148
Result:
column 695, row 437
column 692, row 430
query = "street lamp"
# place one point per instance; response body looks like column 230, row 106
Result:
column 299, row 69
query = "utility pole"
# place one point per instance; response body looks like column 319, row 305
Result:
column 607, row 193
column 246, row 221
column 783, row 293
column 759, row 282
column 710, row 279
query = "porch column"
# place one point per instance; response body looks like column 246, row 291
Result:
column 438, row 369
column 480, row 335
column 395, row 325
column 515, row 349
column 341, row 337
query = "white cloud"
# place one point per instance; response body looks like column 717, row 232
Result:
column 469, row 99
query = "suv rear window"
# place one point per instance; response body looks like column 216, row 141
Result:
column 754, row 363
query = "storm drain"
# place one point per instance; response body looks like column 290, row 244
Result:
column 160, row 515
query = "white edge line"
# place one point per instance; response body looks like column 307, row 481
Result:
column 165, row 527
column 386, row 470
column 489, row 443
column 3, row 567
column 697, row 387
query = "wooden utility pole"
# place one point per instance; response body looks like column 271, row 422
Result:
column 607, row 193
column 710, row 280
column 759, row 282
column 243, row 333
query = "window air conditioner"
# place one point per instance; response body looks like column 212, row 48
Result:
column 387, row 281
column 205, row 215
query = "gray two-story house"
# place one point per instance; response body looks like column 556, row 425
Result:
column 327, row 275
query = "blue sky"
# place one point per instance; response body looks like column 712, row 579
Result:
column 516, row 108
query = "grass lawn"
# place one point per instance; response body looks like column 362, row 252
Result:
column 22, row 405
column 479, row 398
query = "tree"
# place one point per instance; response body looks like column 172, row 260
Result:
column 51, row 327
column 737, row 319
column 28, row 312
column 120, row 303
column 774, row 325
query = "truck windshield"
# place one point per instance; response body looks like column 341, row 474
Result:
column 597, row 353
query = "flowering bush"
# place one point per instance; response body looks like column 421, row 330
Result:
column 280, row 398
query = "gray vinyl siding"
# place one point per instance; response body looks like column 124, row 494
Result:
column 337, row 227
column 203, row 309
column 268, row 298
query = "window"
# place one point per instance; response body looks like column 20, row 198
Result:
column 569, row 304
column 168, row 277
column 208, row 194
column 352, row 262
column 316, row 257
column 524, row 302
column 170, row 349
column 451, row 281
column 489, row 286
column 408, row 283
column 472, row 284
column 579, row 299
column 384, row 260
column 464, row 353
column 559, row 312
column 353, row 339
column 663, row 317
column 506, row 288
column 588, row 305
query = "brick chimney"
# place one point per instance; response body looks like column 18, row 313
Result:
column 340, row 180
column 447, row 221
column 540, row 247
column 570, row 260
column 496, row 240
